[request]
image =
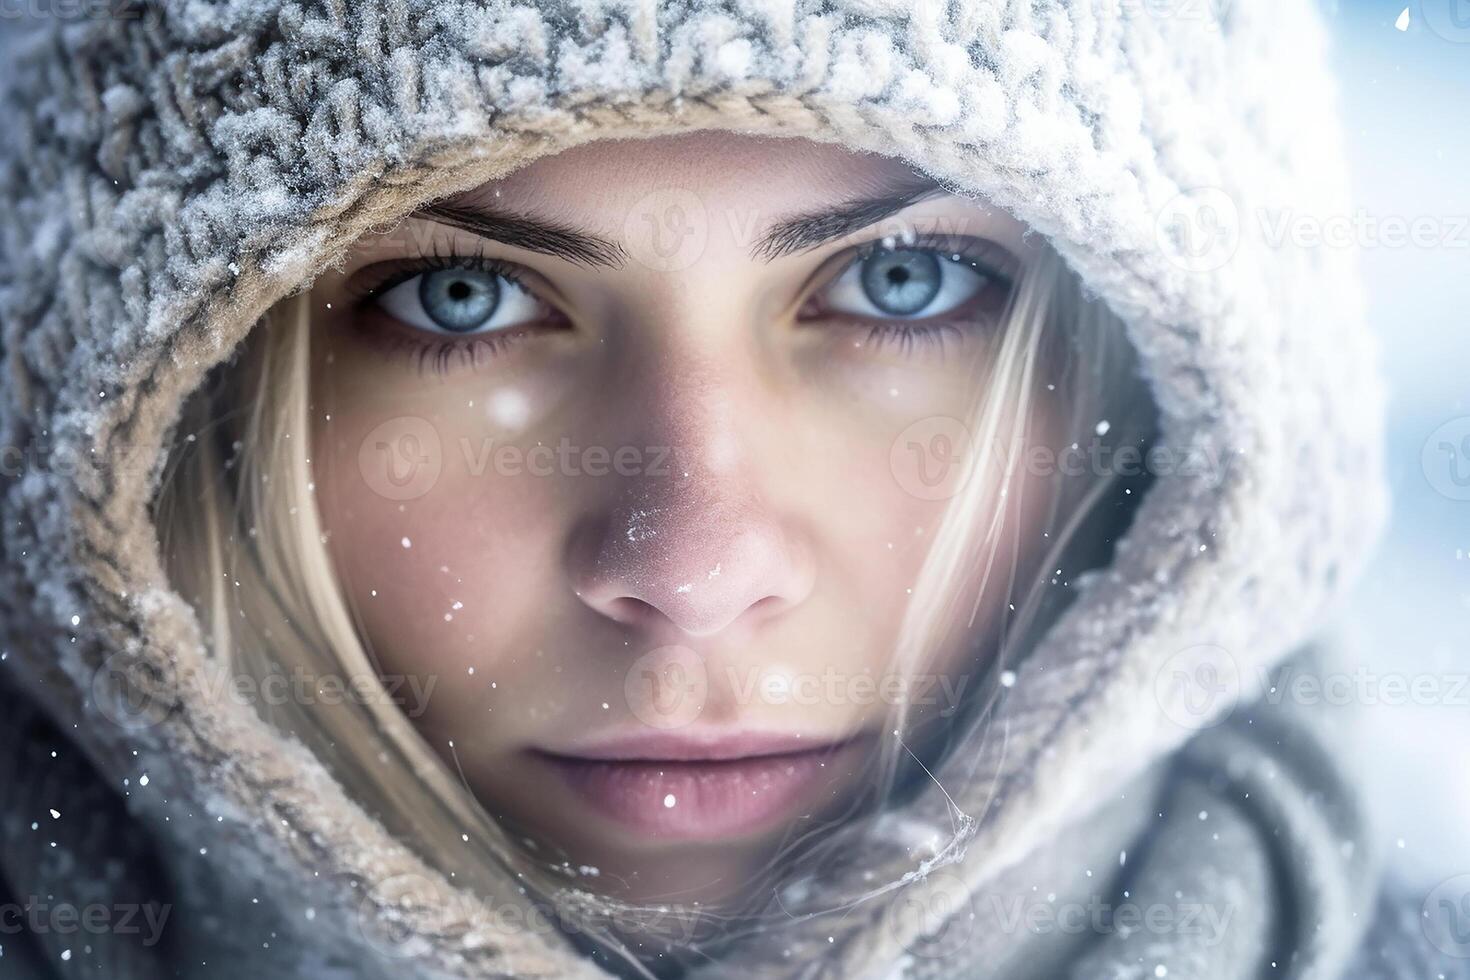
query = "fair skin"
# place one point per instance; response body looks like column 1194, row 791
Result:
column 613, row 634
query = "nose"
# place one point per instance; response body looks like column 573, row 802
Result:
column 690, row 559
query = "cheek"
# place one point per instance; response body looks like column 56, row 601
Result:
column 447, row 574
column 891, row 470
column 411, row 486
column 887, row 440
column 873, row 525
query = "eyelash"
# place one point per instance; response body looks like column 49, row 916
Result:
column 906, row 334
column 440, row 355
column 401, row 272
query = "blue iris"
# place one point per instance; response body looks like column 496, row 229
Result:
column 901, row 282
column 459, row 300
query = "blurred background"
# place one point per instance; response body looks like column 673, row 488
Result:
column 1404, row 71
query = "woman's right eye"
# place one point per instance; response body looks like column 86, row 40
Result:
column 460, row 302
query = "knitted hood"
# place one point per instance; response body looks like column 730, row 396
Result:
column 171, row 171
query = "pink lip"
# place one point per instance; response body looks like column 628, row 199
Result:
column 693, row 788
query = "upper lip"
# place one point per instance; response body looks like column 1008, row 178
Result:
column 695, row 747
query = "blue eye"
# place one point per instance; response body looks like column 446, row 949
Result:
column 901, row 283
column 459, row 301
column 906, row 283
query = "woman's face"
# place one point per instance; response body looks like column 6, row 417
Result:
column 636, row 454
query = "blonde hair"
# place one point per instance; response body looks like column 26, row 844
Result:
column 244, row 542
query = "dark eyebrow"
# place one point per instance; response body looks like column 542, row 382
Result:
column 531, row 234
column 806, row 231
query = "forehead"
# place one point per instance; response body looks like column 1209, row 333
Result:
column 595, row 184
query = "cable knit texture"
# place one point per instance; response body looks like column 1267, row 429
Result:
column 171, row 171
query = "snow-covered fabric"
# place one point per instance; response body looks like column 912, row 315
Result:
column 171, row 170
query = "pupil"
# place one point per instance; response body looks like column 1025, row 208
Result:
column 903, row 281
column 461, row 300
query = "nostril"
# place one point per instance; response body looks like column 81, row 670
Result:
column 766, row 606
column 691, row 619
column 630, row 611
column 706, row 619
column 699, row 574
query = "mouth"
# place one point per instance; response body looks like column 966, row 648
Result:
column 704, row 789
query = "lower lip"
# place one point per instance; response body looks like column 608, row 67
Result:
column 704, row 799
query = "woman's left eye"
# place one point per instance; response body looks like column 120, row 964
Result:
column 908, row 283
column 459, row 302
